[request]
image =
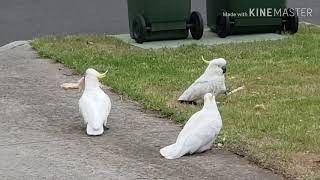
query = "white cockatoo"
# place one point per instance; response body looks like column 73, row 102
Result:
column 199, row 133
column 211, row 81
column 94, row 104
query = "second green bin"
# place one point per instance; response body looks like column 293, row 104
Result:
column 163, row 19
column 227, row 17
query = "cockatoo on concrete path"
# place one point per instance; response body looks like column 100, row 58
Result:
column 94, row 104
column 211, row 81
column 199, row 133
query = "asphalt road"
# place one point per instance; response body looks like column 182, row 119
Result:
column 26, row 19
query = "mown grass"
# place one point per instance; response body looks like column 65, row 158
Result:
column 282, row 76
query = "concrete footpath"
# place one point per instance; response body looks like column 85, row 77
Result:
column 42, row 135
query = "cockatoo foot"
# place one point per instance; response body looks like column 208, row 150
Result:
column 106, row 127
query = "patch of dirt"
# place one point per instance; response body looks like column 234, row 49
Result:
column 104, row 46
column 306, row 162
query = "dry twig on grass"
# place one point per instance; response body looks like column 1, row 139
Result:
column 235, row 90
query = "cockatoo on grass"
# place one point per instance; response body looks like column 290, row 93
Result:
column 199, row 133
column 211, row 81
column 94, row 104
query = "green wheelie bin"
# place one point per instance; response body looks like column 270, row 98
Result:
column 227, row 17
column 151, row 20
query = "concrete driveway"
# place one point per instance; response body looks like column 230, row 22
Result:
column 26, row 19
column 42, row 135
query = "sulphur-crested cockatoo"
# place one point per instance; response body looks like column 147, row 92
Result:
column 94, row 104
column 199, row 133
column 211, row 81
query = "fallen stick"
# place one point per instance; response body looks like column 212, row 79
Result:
column 80, row 85
column 69, row 86
column 235, row 90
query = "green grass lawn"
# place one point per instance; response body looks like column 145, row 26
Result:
column 283, row 76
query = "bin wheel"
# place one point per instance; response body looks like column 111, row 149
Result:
column 131, row 35
column 196, row 28
column 223, row 26
column 292, row 21
column 139, row 29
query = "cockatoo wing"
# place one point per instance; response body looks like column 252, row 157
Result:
column 196, row 134
column 94, row 109
column 196, row 91
column 88, row 109
column 209, row 82
column 197, row 140
column 108, row 109
column 216, row 80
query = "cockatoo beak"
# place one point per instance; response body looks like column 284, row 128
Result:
column 224, row 69
column 100, row 76
column 208, row 62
